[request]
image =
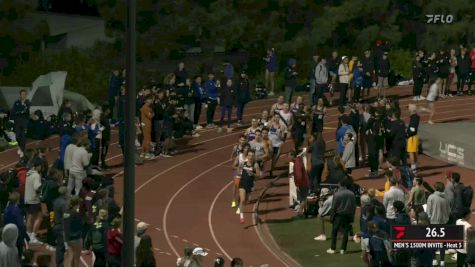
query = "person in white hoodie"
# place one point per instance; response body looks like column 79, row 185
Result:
column 32, row 200
column 80, row 161
column 8, row 251
column 69, row 151
column 343, row 80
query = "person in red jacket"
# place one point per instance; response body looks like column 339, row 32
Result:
column 301, row 180
column 114, row 243
column 85, row 209
column 472, row 65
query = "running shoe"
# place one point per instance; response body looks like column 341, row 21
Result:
column 320, row 238
column 230, row 130
column 342, row 252
column 13, row 143
column 166, row 155
column 430, row 122
column 330, row 251
column 198, row 127
column 196, row 135
column 233, row 204
column 271, row 93
column 414, row 98
column 209, row 126
column 238, row 211
column 422, row 98
column 220, row 129
column 241, row 220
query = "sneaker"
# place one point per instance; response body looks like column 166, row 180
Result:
column 220, row 129
column 241, row 220
column 233, row 204
column 209, row 126
column 422, row 98
column 414, row 98
column 238, row 211
column 50, row 248
column 230, row 130
column 13, row 143
column 330, row 251
column 434, row 263
column 430, row 122
column 271, row 93
column 240, row 124
column 320, row 238
column 166, row 155
column 198, row 127
column 442, row 263
column 196, row 135
column 148, row 156
column 342, row 252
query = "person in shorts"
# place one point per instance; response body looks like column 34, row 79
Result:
column 237, row 165
column 432, row 97
column 250, row 170
column 34, row 216
column 412, row 137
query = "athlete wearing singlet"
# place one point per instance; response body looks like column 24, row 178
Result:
column 260, row 149
column 277, row 107
column 248, row 175
column 317, row 120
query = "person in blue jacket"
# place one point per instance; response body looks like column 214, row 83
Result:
column 357, row 81
column 271, row 68
column 211, row 89
column 20, row 114
column 14, row 215
column 200, row 98
column 115, row 83
column 341, row 132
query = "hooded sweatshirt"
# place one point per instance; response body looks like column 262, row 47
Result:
column 8, row 250
column 438, row 208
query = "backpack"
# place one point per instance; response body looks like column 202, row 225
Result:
column 407, row 176
column 387, row 248
column 467, row 196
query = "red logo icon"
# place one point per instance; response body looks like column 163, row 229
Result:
column 400, row 231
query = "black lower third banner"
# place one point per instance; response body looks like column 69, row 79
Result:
column 427, row 237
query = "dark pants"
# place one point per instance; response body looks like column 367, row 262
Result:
column 122, row 137
column 341, row 222
column 224, row 110
column 60, row 248
column 197, row 112
column 357, row 96
column 86, row 228
column 461, row 259
column 112, row 102
column 461, row 80
column 157, row 130
column 104, row 151
column 101, row 260
column 20, row 134
column 288, row 93
column 373, row 158
column 418, row 84
column 319, row 91
column 399, row 151
column 240, row 111
column 114, row 261
column 96, row 152
column 210, row 111
column 343, row 87
column 316, row 176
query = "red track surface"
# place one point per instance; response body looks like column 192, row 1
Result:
column 186, row 199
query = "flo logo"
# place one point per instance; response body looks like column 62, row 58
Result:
column 439, row 19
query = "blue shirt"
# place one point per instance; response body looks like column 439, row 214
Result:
column 271, row 65
column 211, row 89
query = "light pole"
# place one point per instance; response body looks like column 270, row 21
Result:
column 128, row 252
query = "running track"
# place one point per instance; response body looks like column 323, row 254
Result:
column 186, row 199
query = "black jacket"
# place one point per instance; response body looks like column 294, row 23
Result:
column 290, row 78
column 243, row 91
column 344, row 202
column 106, row 134
column 413, row 126
column 21, row 112
column 332, row 64
column 432, row 69
column 463, row 65
column 159, row 108
column 443, row 62
column 417, row 70
column 398, row 132
column 368, row 66
column 121, row 108
column 227, row 95
column 383, row 68
column 458, row 208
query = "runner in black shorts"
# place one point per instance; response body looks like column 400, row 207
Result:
column 250, row 170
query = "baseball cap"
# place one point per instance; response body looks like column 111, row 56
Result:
column 142, row 227
column 199, row 252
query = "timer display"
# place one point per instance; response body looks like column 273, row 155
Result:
column 427, row 237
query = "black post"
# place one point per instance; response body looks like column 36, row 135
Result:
column 129, row 157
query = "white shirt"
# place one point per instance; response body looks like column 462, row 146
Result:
column 68, row 156
column 32, row 186
column 433, row 92
column 392, row 195
column 287, row 117
column 466, row 225
column 80, row 160
column 344, row 73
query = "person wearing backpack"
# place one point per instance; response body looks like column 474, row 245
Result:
column 378, row 246
column 462, row 197
column 98, row 239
